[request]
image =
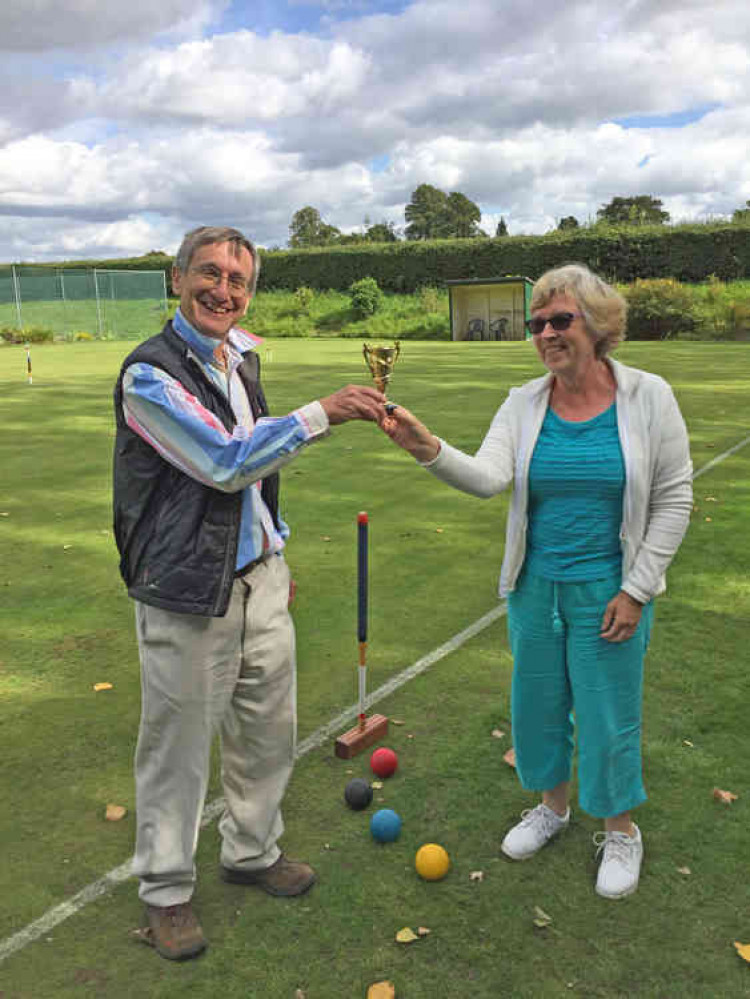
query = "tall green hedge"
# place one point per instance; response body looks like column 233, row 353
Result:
column 688, row 253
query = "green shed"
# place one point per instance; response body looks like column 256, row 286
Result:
column 489, row 308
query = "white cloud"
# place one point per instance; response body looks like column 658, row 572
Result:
column 233, row 79
column 44, row 25
column 514, row 105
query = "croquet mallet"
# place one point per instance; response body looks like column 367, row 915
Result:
column 367, row 730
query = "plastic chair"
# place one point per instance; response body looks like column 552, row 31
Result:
column 475, row 329
column 499, row 329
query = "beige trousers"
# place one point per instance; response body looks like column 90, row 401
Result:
column 235, row 676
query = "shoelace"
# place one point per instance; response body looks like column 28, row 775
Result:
column 178, row 915
column 616, row 846
column 537, row 817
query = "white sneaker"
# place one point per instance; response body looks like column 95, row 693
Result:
column 536, row 828
column 620, row 866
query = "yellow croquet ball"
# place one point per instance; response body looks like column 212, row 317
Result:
column 432, row 862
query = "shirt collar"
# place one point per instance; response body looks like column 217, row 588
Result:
column 239, row 341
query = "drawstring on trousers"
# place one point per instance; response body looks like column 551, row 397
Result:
column 557, row 621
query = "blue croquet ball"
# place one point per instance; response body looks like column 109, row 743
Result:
column 358, row 794
column 385, row 825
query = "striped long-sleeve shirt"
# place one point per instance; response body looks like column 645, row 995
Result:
column 169, row 418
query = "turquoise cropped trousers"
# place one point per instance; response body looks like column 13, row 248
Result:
column 568, row 681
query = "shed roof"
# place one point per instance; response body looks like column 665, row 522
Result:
column 491, row 280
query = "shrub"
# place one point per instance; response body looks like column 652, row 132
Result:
column 429, row 299
column 738, row 320
column 659, row 309
column 27, row 334
column 303, row 299
column 366, row 297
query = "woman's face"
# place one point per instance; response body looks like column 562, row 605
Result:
column 565, row 351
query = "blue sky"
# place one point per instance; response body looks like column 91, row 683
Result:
column 294, row 16
column 123, row 125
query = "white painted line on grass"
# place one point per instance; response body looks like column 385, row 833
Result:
column 61, row 912
column 720, row 457
column 53, row 917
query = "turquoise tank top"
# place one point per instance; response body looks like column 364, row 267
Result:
column 576, row 484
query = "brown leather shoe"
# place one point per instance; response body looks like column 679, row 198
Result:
column 285, row 877
column 174, row 931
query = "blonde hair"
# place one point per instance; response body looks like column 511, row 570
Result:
column 603, row 308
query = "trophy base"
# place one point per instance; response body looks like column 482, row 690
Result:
column 357, row 739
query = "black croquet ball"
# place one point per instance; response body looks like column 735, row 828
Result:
column 358, row 794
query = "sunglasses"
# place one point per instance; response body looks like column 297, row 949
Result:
column 559, row 322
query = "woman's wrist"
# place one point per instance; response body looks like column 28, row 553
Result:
column 425, row 453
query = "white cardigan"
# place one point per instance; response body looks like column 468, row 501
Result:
column 658, row 493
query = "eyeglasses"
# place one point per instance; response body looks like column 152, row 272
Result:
column 559, row 321
column 214, row 276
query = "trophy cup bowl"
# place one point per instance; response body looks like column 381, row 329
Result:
column 380, row 360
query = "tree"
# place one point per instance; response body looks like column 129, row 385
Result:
column 642, row 209
column 742, row 214
column 424, row 213
column 381, row 232
column 462, row 217
column 308, row 229
column 569, row 222
column 432, row 214
column 502, row 228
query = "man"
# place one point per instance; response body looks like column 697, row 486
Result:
column 200, row 539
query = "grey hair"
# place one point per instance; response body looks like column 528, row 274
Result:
column 603, row 308
column 205, row 235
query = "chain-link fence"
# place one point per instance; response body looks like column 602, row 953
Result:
column 106, row 304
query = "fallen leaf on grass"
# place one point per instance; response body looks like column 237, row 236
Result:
column 541, row 918
column 382, row 990
column 324, row 537
column 115, row 812
column 476, row 876
column 144, row 935
column 4, row 515
column 710, row 499
column 684, row 870
column 397, row 721
column 743, row 950
column 438, row 530
column 377, row 784
column 687, row 742
column 727, row 797
column 299, row 994
column 66, row 548
column 103, row 686
column 708, row 520
column 498, row 733
column 423, row 931
column 510, row 757
column 406, row 935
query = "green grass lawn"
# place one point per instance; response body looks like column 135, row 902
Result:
column 434, row 559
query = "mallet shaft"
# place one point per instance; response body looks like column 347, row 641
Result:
column 362, row 532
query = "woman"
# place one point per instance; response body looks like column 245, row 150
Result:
column 598, row 456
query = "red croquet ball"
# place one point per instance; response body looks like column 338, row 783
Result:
column 383, row 762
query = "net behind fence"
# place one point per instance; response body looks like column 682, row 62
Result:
column 72, row 302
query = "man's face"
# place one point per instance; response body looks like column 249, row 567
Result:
column 214, row 290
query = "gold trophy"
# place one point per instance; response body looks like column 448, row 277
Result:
column 380, row 361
